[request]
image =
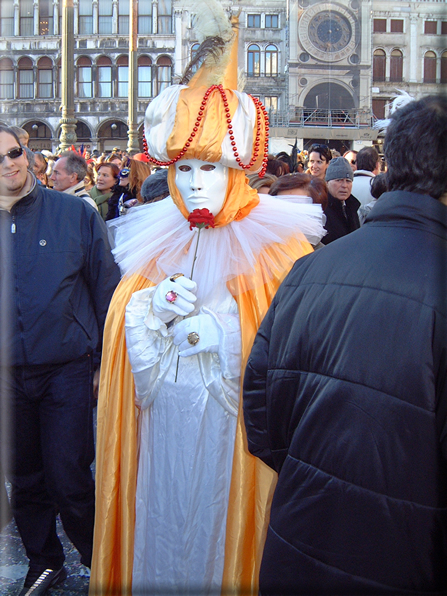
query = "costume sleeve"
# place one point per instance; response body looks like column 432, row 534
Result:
column 221, row 371
column 255, row 393
column 149, row 346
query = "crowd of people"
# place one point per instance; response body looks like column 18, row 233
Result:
column 113, row 182
column 265, row 341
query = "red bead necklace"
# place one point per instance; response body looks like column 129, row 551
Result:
column 260, row 109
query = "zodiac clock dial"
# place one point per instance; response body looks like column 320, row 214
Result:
column 329, row 31
column 327, row 34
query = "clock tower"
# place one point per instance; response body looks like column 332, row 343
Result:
column 330, row 54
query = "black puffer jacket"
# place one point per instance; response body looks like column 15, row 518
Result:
column 62, row 277
column 345, row 395
column 337, row 224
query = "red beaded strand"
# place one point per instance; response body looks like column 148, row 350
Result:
column 260, row 109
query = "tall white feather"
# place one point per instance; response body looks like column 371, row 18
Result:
column 210, row 20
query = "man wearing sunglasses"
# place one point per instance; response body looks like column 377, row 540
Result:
column 58, row 276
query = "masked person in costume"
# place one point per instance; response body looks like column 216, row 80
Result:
column 181, row 505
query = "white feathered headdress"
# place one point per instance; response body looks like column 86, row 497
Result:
column 398, row 102
column 224, row 125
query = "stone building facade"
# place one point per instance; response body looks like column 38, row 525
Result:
column 325, row 70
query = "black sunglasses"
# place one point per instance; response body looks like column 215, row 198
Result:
column 12, row 154
column 316, row 147
column 353, row 162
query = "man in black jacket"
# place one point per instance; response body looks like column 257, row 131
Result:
column 345, row 392
column 341, row 209
column 62, row 276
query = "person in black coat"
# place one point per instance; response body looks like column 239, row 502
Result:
column 345, row 391
column 341, row 210
column 60, row 276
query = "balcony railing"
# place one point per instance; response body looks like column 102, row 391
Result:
column 307, row 117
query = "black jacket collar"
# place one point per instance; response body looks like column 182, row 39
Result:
column 410, row 209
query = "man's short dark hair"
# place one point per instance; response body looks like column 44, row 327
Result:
column 367, row 159
column 416, row 149
column 11, row 132
column 75, row 164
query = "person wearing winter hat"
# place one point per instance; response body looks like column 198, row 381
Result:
column 155, row 187
column 341, row 210
column 183, row 510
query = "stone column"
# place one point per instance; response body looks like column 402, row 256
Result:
column 56, row 17
column 178, row 65
column 413, row 47
column 68, row 121
column 16, row 18
column 133, row 145
column 115, row 17
column 36, row 17
column 95, row 17
column 154, row 17
column 76, row 17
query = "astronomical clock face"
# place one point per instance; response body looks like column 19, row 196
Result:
column 328, row 33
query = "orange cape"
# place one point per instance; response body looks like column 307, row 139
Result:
column 252, row 482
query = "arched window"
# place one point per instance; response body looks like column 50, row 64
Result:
column 45, row 78
column 123, row 76
column 271, row 61
column 85, row 79
column 83, row 133
column 26, row 79
column 85, row 23
column 6, row 79
column 194, row 49
column 254, row 61
column 144, row 76
column 430, row 67
column 444, row 67
column 164, row 17
column 26, row 17
column 164, row 70
column 379, row 66
column 104, row 77
column 396, row 66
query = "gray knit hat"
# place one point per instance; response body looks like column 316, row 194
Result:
column 155, row 185
column 338, row 169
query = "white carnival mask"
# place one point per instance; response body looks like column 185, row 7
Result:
column 202, row 184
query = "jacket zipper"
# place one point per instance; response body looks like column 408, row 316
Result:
column 13, row 225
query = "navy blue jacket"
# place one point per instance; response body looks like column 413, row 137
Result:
column 345, row 395
column 62, row 277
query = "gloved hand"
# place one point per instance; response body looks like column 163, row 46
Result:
column 203, row 326
column 183, row 304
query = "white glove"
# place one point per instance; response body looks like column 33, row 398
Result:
column 203, row 326
column 183, row 304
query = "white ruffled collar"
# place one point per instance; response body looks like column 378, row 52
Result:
column 159, row 233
